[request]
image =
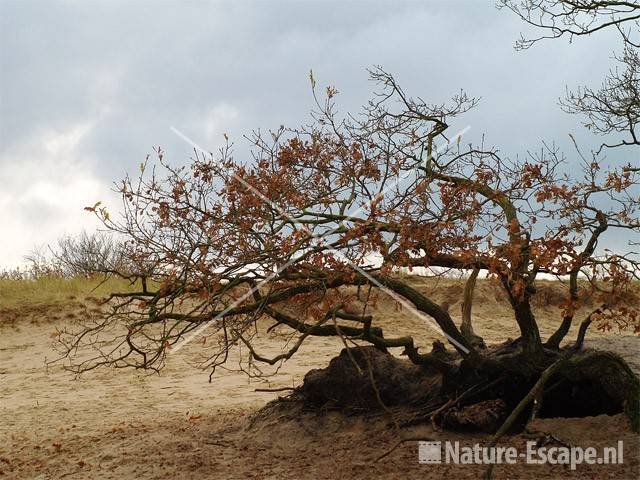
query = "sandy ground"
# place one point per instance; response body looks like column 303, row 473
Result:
column 126, row 424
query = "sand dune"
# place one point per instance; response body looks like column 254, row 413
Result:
column 127, row 424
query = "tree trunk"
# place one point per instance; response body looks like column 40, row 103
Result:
column 466, row 328
column 531, row 343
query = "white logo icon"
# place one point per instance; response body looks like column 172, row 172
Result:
column 429, row 452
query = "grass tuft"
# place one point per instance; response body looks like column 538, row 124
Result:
column 55, row 289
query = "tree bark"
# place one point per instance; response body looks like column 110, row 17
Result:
column 531, row 343
column 441, row 316
column 466, row 328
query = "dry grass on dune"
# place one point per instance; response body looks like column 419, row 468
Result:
column 52, row 298
column 54, row 289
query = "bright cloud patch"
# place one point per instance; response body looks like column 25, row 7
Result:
column 46, row 186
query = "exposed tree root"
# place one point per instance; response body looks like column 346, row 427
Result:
column 567, row 383
column 534, row 393
column 492, row 396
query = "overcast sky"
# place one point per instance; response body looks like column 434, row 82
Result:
column 87, row 88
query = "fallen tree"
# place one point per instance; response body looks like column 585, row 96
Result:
column 310, row 232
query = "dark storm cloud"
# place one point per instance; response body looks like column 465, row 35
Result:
column 124, row 72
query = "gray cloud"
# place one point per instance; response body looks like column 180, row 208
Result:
column 122, row 73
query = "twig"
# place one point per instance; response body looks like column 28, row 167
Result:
column 281, row 389
column 400, row 442
column 434, row 416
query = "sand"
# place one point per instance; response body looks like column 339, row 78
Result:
column 129, row 424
